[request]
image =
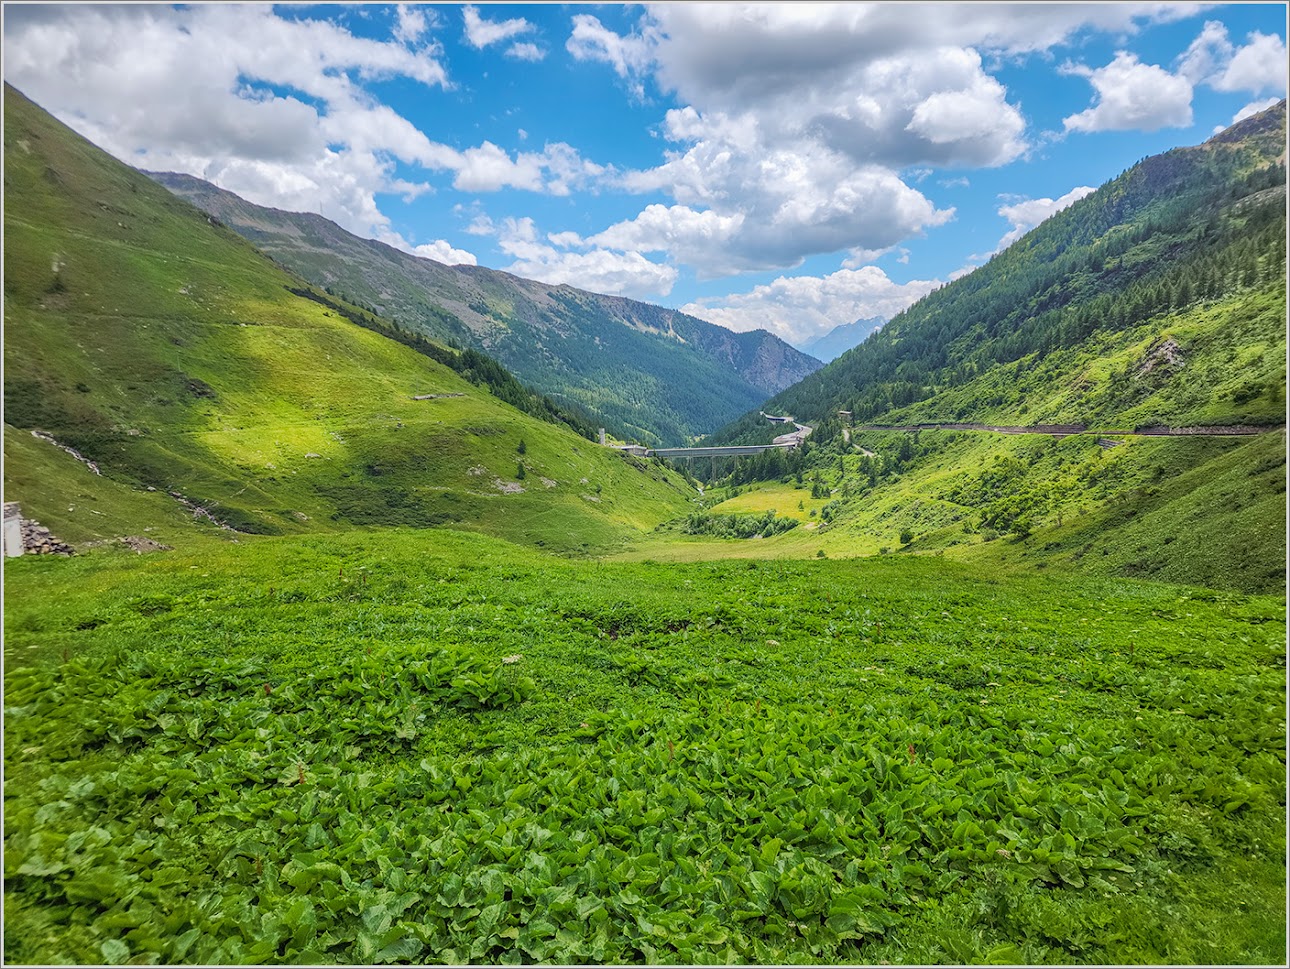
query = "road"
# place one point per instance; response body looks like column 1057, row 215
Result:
column 1066, row 430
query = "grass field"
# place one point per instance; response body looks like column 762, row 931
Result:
column 434, row 746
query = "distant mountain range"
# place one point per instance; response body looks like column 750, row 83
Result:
column 645, row 372
column 841, row 338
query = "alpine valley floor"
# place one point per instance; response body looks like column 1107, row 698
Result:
column 432, row 746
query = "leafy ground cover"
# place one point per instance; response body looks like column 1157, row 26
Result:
column 438, row 747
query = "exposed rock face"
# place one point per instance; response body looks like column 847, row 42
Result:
column 1166, row 355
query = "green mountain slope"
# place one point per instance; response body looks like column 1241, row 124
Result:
column 1192, row 226
column 166, row 349
column 1158, row 300
column 646, row 372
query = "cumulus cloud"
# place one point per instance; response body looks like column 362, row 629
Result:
column 1258, row 66
column 800, row 308
column 441, row 251
column 480, row 33
column 1027, row 214
column 272, row 108
column 598, row 270
column 1130, row 95
column 898, row 83
column 747, row 202
column 795, row 120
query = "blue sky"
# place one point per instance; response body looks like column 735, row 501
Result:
column 786, row 166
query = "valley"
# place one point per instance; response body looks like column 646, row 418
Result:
column 367, row 653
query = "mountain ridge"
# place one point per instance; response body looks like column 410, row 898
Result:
column 648, row 372
column 204, row 380
column 1191, row 223
column 841, row 338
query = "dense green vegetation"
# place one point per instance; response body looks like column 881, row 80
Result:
column 435, row 747
column 644, row 372
column 1160, row 299
column 479, row 368
column 163, row 347
column 737, row 526
column 1205, row 511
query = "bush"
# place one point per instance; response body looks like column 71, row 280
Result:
column 737, row 526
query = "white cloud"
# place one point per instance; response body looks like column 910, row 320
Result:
column 482, row 225
column 862, row 257
column 1027, row 214
column 888, row 83
column 598, row 270
column 678, row 229
column 1257, row 67
column 487, row 168
column 188, row 90
column 1201, row 59
column 525, row 52
column 410, row 24
column 800, row 308
column 181, row 89
column 748, row 204
column 795, row 120
column 629, row 55
column 1130, row 95
column 480, row 33
column 441, row 251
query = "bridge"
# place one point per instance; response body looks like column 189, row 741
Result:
column 783, row 442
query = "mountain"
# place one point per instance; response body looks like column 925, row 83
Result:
column 1157, row 303
column 841, row 338
column 645, row 372
column 1191, row 225
column 213, row 392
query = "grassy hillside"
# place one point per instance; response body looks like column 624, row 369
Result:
column 1206, row 511
column 645, row 372
column 1158, row 300
column 168, row 350
column 367, row 749
column 1188, row 228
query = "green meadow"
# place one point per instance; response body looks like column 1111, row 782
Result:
column 441, row 747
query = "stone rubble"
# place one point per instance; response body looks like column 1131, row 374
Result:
column 37, row 540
